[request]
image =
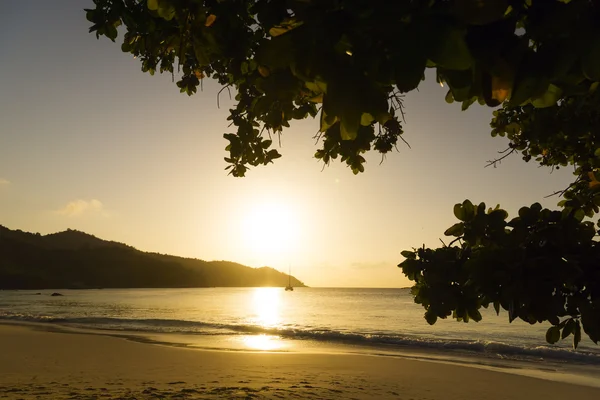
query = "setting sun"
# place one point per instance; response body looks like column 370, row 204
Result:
column 271, row 229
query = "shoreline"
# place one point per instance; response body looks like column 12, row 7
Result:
column 318, row 354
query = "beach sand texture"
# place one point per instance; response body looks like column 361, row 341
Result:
column 48, row 365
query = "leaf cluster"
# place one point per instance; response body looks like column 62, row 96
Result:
column 539, row 266
column 351, row 60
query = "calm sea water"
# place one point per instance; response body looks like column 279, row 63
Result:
column 380, row 321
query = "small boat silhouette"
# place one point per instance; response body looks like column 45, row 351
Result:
column 289, row 287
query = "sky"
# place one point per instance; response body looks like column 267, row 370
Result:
column 89, row 142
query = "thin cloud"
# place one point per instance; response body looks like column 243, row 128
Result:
column 4, row 182
column 80, row 207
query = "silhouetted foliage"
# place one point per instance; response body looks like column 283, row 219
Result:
column 538, row 59
column 73, row 259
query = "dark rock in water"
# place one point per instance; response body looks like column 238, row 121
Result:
column 37, row 294
column 56, row 294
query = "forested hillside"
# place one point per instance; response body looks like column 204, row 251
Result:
column 73, row 259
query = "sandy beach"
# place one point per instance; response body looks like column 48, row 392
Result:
column 36, row 364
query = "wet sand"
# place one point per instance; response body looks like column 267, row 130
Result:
column 36, row 364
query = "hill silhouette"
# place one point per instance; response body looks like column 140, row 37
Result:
column 74, row 259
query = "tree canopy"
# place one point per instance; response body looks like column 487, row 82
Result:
column 348, row 63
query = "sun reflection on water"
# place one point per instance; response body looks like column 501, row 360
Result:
column 263, row 342
column 266, row 306
column 265, row 312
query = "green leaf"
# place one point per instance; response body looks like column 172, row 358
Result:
column 410, row 268
column 468, row 209
column 590, row 61
column 348, row 130
column 409, row 66
column 553, row 334
column 277, row 53
column 366, row 119
column 271, row 155
column 430, row 317
column 577, row 335
column 497, row 307
column 475, row 315
column 450, row 49
column 459, row 212
column 460, row 84
column 166, row 10
column 409, row 74
column 590, row 319
column 349, row 124
column 411, row 255
column 285, row 27
column 382, row 118
column 549, row 98
column 525, row 88
column 526, row 214
column 568, row 329
column 479, row 12
column 201, row 52
column 467, row 103
column 457, row 230
column 317, row 86
column 327, row 121
column 152, row 5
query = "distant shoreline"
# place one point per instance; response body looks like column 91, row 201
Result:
column 136, row 288
column 77, row 260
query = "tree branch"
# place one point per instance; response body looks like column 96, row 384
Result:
column 561, row 192
column 499, row 160
column 219, row 94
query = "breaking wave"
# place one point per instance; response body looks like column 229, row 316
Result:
column 382, row 340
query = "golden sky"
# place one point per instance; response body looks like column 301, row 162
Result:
column 89, row 142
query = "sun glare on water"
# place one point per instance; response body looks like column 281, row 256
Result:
column 263, row 342
column 266, row 305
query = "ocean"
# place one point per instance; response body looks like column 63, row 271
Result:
column 383, row 322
